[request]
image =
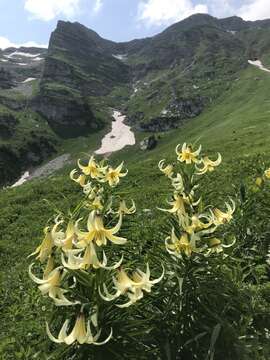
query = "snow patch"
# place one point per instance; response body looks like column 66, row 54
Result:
column 195, row 87
column 121, row 57
column 20, row 54
column 22, row 64
column 258, row 64
column 118, row 137
column 22, row 179
column 28, row 80
column 38, row 59
column 4, row 60
column 231, row 32
column 164, row 112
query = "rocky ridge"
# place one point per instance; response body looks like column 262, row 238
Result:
column 158, row 82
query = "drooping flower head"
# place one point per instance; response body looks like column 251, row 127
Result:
column 187, row 154
column 81, row 333
column 208, row 165
column 113, row 175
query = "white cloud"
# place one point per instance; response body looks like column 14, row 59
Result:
column 159, row 12
column 48, row 9
column 255, row 10
column 221, row 8
column 6, row 43
column 97, row 6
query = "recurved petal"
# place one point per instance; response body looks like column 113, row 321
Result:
column 116, row 239
column 102, row 342
column 34, row 278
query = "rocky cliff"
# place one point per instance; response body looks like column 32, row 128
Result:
column 159, row 82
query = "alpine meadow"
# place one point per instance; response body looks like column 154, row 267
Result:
column 135, row 194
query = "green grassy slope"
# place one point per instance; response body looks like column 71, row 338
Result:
column 237, row 126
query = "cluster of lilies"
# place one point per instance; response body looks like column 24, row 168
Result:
column 77, row 245
column 195, row 226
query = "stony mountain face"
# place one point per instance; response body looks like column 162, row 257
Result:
column 159, row 82
column 79, row 66
column 25, row 137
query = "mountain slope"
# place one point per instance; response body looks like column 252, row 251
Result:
column 159, row 82
column 236, row 124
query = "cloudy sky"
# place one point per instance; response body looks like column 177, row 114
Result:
column 31, row 21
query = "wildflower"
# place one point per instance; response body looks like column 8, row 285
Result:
column 80, row 179
column 63, row 239
column 50, row 284
column 92, row 169
column 80, row 333
column 216, row 246
column 45, row 249
column 89, row 259
column 123, row 209
column 267, row 173
column 208, row 165
column 180, row 245
column 132, row 286
column 97, row 204
column 219, row 217
column 196, row 224
column 122, row 284
column 113, row 176
column 187, row 154
column 144, row 284
column 98, row 233
column 166, row 170
column 178, row 205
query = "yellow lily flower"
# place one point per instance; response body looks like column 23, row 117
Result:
column 187, row 154
column 216, row 246
column 80, row 333
column 208, row 165
column 45, row 249
column 98, row 233
column 122, row 284
column 142, row 283
column 180, row 245
column 92, row 169
column 132, row 286
column 89, row 259
column 219, row 217
column 80, row 179
column 51, row 286
column 63, row 239
column 267, row 173
column 166, row 170
column 195, row 224
column 113, row 176
column 178, row 205
column 123, row 209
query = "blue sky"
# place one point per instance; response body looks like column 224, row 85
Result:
column 22, row 21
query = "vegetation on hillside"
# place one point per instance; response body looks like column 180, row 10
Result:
column 211, row 302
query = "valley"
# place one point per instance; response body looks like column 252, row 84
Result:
column 159, row 83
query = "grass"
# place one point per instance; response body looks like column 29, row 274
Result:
column 237, row 125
